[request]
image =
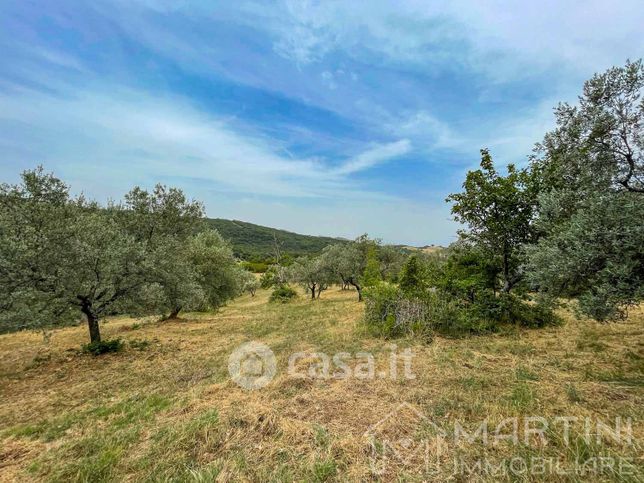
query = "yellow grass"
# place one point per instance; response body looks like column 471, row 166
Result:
column 168, row 411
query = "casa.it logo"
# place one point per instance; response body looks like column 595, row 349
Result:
column 252, row 365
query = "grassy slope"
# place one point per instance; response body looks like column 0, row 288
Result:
column 170, row 412
column 255, row 241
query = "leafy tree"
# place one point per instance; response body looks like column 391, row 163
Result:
column 596, row 256
column 165, row 212
column 314, row 274
column 468, row 272
column 35, row 226
column 347, row 262
column 248, row 282
column 589, row 172
column 598, row 145
column 498, row 211
column 218, row 273
column 163, row 220
column 275, row 275
column 64, row 255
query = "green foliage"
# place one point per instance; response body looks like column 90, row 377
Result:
column 589, row 172
column 103, row 347
column 255, row 267
column 139, row 344
column 466, row 271
column 314, row 274
column 275, row 275
column 218, row 273
column 413, row 278
column 347, row 262
column 498, row 211
column 596, row 256
column 391, row 260
column 391, row 313
column 371, row 275
column 282, row 294
column 62, row 255
column 248, row 282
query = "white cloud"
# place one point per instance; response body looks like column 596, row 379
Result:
column 374, row 156
column 169, row 137
column 498, row 37
column 422, row 124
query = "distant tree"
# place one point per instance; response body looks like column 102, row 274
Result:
column 313, row 274
column 391, row 261
column 248, row 282
column 498, row 211
column 348, row 262
column 333, row 254
column 590, row 173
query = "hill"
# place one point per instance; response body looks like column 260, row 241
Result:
column 256, row 242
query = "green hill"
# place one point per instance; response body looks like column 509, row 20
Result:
column 256, row 242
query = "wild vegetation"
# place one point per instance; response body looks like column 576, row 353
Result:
column 555, row 246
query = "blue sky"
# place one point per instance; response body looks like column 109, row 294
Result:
column 334, row 117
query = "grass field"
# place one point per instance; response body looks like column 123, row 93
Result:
column 165, row 407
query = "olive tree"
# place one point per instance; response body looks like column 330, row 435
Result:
column 248, row 282
column 63, row 255
column 314, row 274
column 216, row 267
column 590, row 173
column 347, row 262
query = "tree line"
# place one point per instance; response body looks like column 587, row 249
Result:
column 62, row 256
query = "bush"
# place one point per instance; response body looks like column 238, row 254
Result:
column 506, row 308
column 255, row 267
column 103, row 347
column 282, row 294
column 390, row 313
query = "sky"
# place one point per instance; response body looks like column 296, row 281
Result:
column 321, row 117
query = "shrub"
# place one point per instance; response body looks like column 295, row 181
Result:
column 282, row 294
column 103, row 347
column 390, row 312
column 255, row 267
column 506, row 308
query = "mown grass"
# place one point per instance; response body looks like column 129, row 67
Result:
column 165, row 409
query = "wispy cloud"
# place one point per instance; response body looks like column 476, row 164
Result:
column 374, row 156
column 170, row 137
column 286, row 110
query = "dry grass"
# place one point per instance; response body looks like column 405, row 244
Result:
column 167, row 410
